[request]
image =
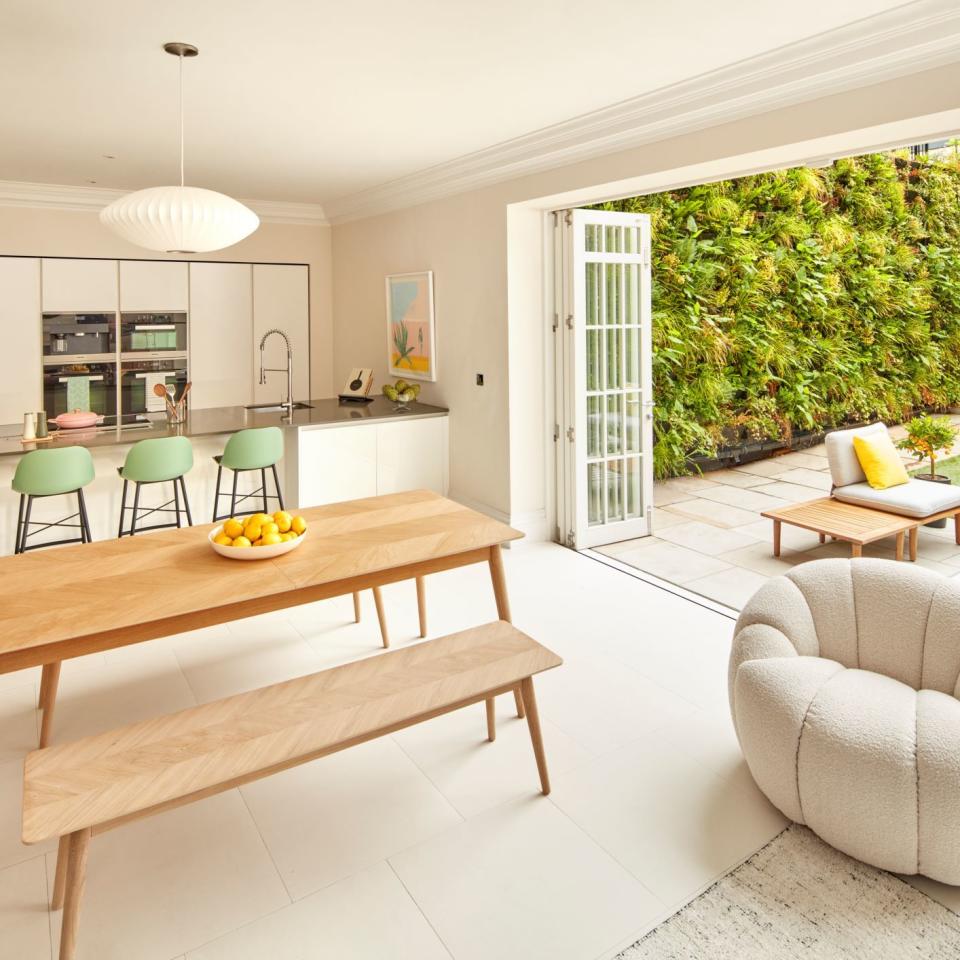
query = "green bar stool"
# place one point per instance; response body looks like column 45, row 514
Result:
column 256, row 449
column 51, row 473
column 161, row 460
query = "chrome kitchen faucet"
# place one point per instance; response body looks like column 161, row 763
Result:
column 265, row 370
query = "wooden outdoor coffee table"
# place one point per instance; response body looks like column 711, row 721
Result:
column 845, row 521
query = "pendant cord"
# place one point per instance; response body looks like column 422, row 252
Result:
column 180, row 58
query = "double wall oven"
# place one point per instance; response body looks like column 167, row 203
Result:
column 111, row 363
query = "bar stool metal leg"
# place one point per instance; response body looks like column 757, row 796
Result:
column 136, row 504
column 16, row 545
column 186, row 502
column 263, row 487
column 123, row 507
column 176, row 501
column 216, row 495
column 84, row 519
column 233, row 496
column 26, row 524
column 276, row 483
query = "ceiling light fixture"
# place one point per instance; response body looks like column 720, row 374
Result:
column 180, row 219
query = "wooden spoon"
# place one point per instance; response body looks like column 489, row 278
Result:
column 161, row 391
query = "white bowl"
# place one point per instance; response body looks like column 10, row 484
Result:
column 253, row 553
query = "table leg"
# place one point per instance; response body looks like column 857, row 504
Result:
column 823, row 538
column 422, row 605
column 914, row 537
column 60, row 877
column 381, row 616
column 503, row 603
column 44, row 683
column 356, row 607
column 856, row 550
column 956, row 527
column 76, row 877
column 536, row 736
column 776, row 538
column 49, row 694
column 491, row 721
column 900, row 545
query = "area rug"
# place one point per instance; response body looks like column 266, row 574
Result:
column 799, row 898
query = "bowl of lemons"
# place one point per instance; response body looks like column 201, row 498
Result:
column 259, row 536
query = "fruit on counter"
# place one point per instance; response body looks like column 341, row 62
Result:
column 401, row 391
column 261, row 530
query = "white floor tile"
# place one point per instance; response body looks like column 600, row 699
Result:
column 674, row 563
column 522, row 882
column 474, row 774
column 369, row 916
column 805, row 477
column 801, row 458
column 743, row 499
column 794, row 492
column 24, row 929
column 759, row 558
column 160, row 886
column 735, row 478
column 670, row 820
column 19, row 719
column 328, row 819
column 764, row 468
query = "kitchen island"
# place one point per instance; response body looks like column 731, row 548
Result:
column 333, row 450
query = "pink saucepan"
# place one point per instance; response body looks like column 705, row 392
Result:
column 76, row 420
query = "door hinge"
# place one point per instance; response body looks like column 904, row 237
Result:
column 556, row 321
column 556, row 432
column 570, row 434
column 568, row 217
column 649, row 519
column 569, row 321
column 571, row 539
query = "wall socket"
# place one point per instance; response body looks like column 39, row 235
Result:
column 479, row 379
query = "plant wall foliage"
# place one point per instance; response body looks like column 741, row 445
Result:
column 802, row 299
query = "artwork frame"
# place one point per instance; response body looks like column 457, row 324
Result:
column 411, row 327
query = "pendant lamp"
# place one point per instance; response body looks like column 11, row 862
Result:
column 180, row 219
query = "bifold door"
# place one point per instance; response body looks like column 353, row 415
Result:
column 604, row 390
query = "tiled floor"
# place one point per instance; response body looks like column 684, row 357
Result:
column 431, row 843
column 709, row 536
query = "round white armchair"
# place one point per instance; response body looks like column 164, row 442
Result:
column 843, row 690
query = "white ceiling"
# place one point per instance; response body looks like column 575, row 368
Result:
column 310, row 101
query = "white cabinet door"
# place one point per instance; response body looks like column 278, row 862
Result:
column 21, row 383
column 75, row 286
column 412, row 455
column 337, row 463
column 281, row 298
column 153, row 286
column 221, row 330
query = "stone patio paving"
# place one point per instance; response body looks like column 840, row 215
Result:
column 709, row 536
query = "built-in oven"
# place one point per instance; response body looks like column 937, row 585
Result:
column 78, row 335
column 138, row 378
column 80, row 386
column 152, row 334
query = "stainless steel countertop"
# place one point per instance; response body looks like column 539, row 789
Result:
column 324, row 412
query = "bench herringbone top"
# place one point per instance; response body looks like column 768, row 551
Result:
column 113, row 775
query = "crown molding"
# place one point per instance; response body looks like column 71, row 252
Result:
column 56, row 196
column 916, row 36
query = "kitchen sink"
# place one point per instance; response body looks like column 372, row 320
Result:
column 277, row 407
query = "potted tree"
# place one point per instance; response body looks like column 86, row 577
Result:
column 926, row 437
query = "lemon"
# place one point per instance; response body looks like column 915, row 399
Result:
column 298, row 525
column 233, row 528
column 283, row 520
column 260, row 519
column 252, row 531
column 258, row 543
column 270, row 527
column 223, row 540
column 289, row 535
column 269, row 539
column 240, row 541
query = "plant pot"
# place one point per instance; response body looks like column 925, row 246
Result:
column 935, row 478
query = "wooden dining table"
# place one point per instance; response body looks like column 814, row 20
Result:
column 70, row 601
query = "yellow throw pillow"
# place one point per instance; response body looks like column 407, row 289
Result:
column 880, row 461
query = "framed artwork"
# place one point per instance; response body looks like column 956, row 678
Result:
column 411, row 343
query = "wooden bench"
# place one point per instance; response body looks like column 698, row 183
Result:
column 78, row 789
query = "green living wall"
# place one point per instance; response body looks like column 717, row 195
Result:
column 802, row 299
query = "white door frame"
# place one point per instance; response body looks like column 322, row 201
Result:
column 605, row 458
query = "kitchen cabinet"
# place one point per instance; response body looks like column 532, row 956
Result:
column 153, row 286
column 281, row 299
column 79, row 286
column 221, row 332
column 333, row 464
column 21, row 386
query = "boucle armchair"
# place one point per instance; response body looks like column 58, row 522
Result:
column 843, row 688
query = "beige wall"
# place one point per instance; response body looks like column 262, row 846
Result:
column 64, row 233
column 489, row 274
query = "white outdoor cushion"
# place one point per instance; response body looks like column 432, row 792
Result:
column 844, row 466
column 916, row 498
column 844, row 679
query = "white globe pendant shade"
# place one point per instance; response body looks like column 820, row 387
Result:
column 180, row 219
